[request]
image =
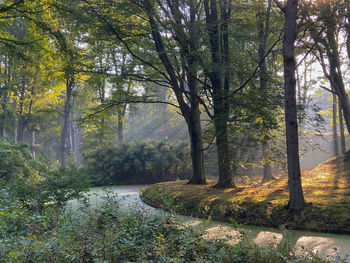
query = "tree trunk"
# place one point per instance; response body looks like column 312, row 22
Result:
column 191, row 112
column 219, row 76
column 164, row 106
column 120, row 125
column 341, row 127
column 64, row 132
column 296, row 196
column 21, row 121
column 32, row 144
column 15, row 130
column 21, row 128
column 334, row 128
column 265, row 146
column 263, row 35
column 197, row 154
column 335, row 74
column 225, row 177
column 3, row 122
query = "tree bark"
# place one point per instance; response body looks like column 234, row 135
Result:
column 334, row 128
column 121, row 112
column 32, row 143
column 296, row 196
column 195, row 131
column 341, row 128
column 21, row 121
column 219, row 76
column 263, row 35
column 64, row 132
column 3, row 122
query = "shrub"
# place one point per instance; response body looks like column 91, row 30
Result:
column 15, row 160
column 138, row 163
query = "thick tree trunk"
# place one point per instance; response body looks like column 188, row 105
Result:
column 225, row 177
column 64, row 132
column 296, row 196
column 197, row 153
column 219, row 76
column 341, row 128
column 334, row 128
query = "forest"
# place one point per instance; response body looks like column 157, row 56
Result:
column 228, row 110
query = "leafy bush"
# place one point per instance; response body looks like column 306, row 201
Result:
column 104, row 235
column 32, row 183
column 15, row 159
column 138, row 163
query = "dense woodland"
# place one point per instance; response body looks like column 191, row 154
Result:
column 108, row 92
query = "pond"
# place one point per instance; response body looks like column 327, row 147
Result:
column 325, row 245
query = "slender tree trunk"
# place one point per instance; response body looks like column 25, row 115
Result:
column 21, row 128
column 32, row 143
column 75, row 134
column 15, row 130
column 267, row 169
column 3, row 133
column 335, row 73
column 3, row 123
column 164, row 106
column 263, row 35
column 64, row 132
column 334, row 128
column 120, row 125
column 341, row 127
column 296, row 196
column 21, row 121
column 3, row 104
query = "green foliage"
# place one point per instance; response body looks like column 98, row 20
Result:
column 60, row 186
column 138, row 162
column 32, row 182
column 104, row 235
column 15, row 159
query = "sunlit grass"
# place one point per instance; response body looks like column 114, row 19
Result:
column 326, row 187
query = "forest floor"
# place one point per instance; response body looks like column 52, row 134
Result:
column 326, row 190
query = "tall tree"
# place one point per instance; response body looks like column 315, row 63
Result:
column 217, row 14
column 189, row 45
column 296, row 196
column 263, row 17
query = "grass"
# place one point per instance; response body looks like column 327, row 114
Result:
column 326, row 190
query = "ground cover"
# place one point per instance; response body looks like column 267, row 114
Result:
column 326, row 188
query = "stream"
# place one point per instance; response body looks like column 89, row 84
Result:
column 330, row 246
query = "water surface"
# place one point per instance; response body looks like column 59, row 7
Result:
column 330, row 246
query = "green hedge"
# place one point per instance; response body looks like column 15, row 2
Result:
column 138, row 163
